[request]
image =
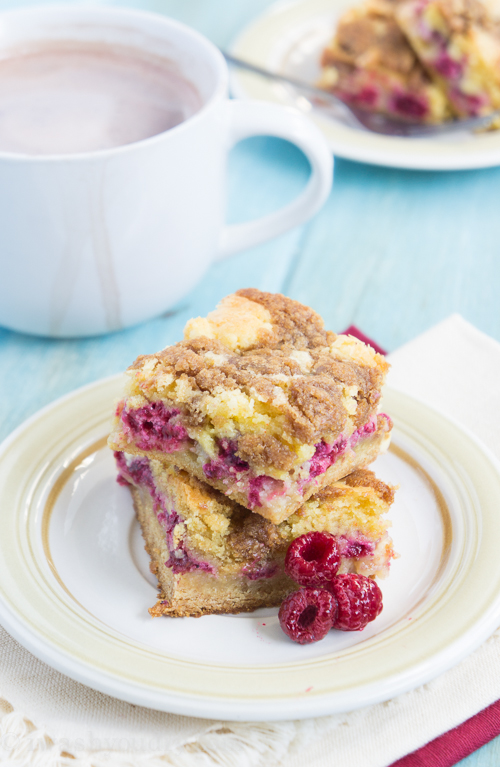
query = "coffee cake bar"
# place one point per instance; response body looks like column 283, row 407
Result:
column 211, row 555
column 458, row 41
column 259, row 401
column 370, row 64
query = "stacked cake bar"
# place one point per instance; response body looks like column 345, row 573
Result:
column 254, row 429
column 458, row 41
column 419, row 60
column 370, row 64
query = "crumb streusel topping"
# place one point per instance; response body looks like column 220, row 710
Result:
column 262, row 370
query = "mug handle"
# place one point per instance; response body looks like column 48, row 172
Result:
column 258, row 118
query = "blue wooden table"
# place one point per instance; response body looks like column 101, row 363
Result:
column 392, row 251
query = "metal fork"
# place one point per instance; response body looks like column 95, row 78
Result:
column 373, row 121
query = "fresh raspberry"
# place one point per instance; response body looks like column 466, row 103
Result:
column 307, row 615
column 313, row 559
column 359, row 601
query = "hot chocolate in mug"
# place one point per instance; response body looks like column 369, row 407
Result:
column 112, row 194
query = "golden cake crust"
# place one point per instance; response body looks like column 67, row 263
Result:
column 293, row 323
column 358, row 478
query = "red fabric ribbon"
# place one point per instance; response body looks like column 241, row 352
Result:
column 458, row 743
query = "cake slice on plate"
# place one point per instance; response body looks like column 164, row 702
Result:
column 259, row 401
column 211, row 555
column 370, row 64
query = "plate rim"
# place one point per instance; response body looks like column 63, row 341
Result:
column 193, row 705
column 385, row 151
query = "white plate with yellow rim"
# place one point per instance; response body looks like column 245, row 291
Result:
column 289, row 38
column 75, row 586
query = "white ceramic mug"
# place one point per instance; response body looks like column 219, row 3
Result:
column 95, row 242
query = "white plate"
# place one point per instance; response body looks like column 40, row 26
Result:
column 75, row 587
column 289, row 38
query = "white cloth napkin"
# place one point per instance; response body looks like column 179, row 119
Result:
column 47, row 719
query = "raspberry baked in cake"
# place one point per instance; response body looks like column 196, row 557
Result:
column 211, row 555
column 458, row 41
column 259, row 401
column 370, row 64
